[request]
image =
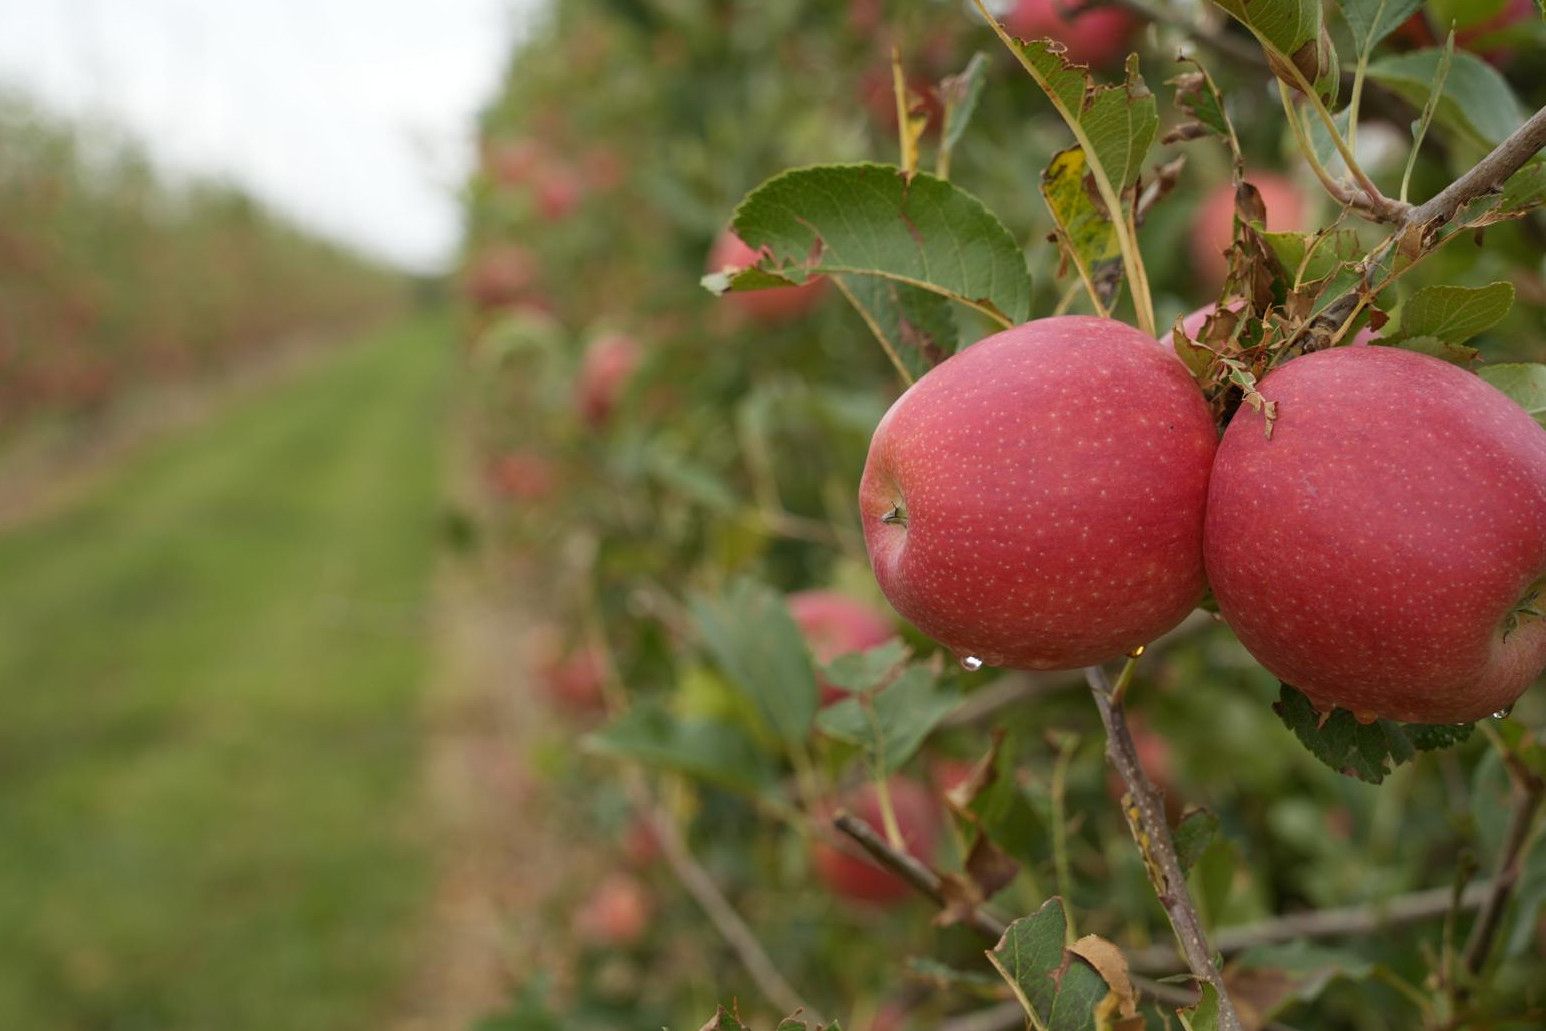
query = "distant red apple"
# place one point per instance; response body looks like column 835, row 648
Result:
column 1036, row 500
column 1474, row 37
column 1377, row 550
column 499, row 275
column 1213, row 225
column 949, row 774
column 877, row 92
column 835, row 624
column 574, row 682
column 1097, row 37
column 617, row 913
column 641, row 845
column 559, row 192
column 522, row 475
column 849, row 873
column 768, row 306
column 605, row 371
column 513, row 162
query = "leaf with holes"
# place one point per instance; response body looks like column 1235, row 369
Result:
column 1059, row 989
column 1367, row 751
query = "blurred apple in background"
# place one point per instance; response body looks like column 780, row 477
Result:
column 617, row 913
column 1213, row 225
column 844, row 867
column 605, row 371
column 522, row 476
column 499, row 276
column 835, row 624
column 1097, row 36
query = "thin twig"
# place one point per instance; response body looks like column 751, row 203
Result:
column 1340, row 922
column 1145, row 812
column 1529, row 790
column 992, row 927
column 731, row 927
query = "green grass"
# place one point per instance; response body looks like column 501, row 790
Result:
column 210, row 679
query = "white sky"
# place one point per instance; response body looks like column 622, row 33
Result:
column 353, row 116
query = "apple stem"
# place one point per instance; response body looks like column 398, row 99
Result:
column 1145, row 813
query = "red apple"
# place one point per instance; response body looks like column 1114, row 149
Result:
column 641, row 845
column 835, row 624
column 616, row 915
column 1097, row 37
column 559, row 192
column 605, row 371
column 1473, row 37
column 849, row 873
column 522, row 475
column 1213, row 225
column 1036, row 501
column 574, row 682
column 1375, row 550
column 499, row 275
column 877, row 92
column 768, row 306
column 513, row 162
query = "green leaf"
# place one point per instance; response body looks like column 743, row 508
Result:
column 1454, row 314
column 872, row 220
column 1319, row 254
column 1373, row 20
column 926, row 968
column 1058, row 989
column 1197, row 830
column 891, row 723
column 1460, row 354
column 1524, row 382
column 960, row 94
column 858, row 672
column 1299, row 972
column 915, row 324
column 726, row 1020
column 1005, row 814
column 1205, row 1015
column 1291, row 32
column 709, row 750
column 1211, row 880
column 752, row 638
column 1477, row 105
column 1368, row 751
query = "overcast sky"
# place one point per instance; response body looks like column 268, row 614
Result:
column 355, row 116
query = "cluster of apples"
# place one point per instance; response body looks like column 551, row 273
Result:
column 1057, row 496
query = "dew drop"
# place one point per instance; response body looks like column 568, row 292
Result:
column 971, row 663
column 1502, row 714
column 1138, row 651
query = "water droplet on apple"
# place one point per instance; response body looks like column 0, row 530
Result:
column 1502, row 714
column 971, row 663
column 1138, row 651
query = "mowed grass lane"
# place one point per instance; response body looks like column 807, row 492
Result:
column 210, row 674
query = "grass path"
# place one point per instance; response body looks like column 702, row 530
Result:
column 210, row 684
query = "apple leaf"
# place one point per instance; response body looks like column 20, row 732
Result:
column 932, row 971
column 1524, row 382
column 1198, row 96
column 960, row 94
column 1477, row 104
column 1292, row 33
column 725, row 1020
column 1196, row 831
column 1312, row 257
column 1459, row 354
column 1205, row 1015
column 1367, row 751
column 1085, row 233
column 708, row 750
column 891, row 723
column 1005, row 814
column 796, row 1024
column 915, row 325
column 858, row 672
column 1453, row 314
column 874, row 220
column 749, row 633
column 1059, row 987
column 1273, row 977
column 1373, row 20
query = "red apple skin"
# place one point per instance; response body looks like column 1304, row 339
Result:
column 574, row 682
column 499, row 276
column 1370, row 551
column 766, row 306
column 559, row 193
column 851, row 875
column 1214, row 223
column 1052, row 480
column 1099, row 37
column 605, row 371
column 834, row 624
column 617, row 914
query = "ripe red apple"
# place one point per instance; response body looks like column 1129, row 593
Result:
column 573, row 681
column 877, row 93
column 1097, row 37
column 522, row 475
column 768, row 306
column 1374, row 551
column 605, row 370
column 1213, row 225
column 835, row 624
column 849, row 873
column 499, row 275
column 617, row 914
column 641, row 845
column 1036, row 501
column 1473, row 37
column 558, row 192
